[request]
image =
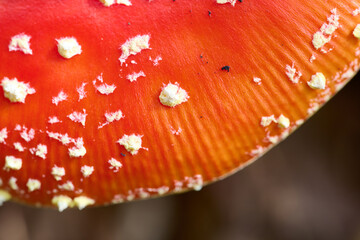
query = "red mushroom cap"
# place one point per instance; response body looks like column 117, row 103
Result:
column 108, row 101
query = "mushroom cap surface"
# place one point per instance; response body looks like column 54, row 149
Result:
column 105, row 104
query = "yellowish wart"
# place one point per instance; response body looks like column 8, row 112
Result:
column 4, row 196
column 108, row 3
column 12, row 163
column 20, row 42
column 172, row 95
column 68, row 47
column 15, row 90
column 131, row 143
column 318, row 81
column 33, row 184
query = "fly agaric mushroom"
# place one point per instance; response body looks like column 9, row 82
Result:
column 109, row 101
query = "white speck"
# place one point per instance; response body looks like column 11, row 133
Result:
column 105, row 88
column 257, row 80
column 130, row 196
column 285, row 134
column 68, row 47
column 131, row 143
column 273, row 139
column 293, row 75
column 26, row 134
column 12, row 163
column 318, row 81
column 161, row 190
column 133, row 62
column 68, row 186
column 81, row 91
column 3, row 135
column 111, row 117
column 12, row 183
column 178, row 186
column 114, row 164
column 156, row 60
column 172, row 95
column 40, row 151
column 20, row 42
column 118, row 198
column 4, row 196
column 283, row 122
column 87, row 170
column 312, row 58
column 53, row 120
column 326, row 51
column 134, row 76
column 266, row 121
column 348, row 74
column 142, row 193
column 82, row 202
column 323, row 36
column 79, row 117
column 258, row 150
column 226, row 1
column 79, row 191
column 18, row 147
column 332, row 24
column 356, row 31
column 99, row 78
column 134, row 46
column 15, row 90
column 58, row 172
column 314, row 106
column 175, row 132
column 63, row 138
column 59, row 98
column 320, row 40
column 195, row 182
column 356, row 12
column 299, row 122
column 33, row 184
column 108, row 3
column 79, row 150
column 114, row 116
column 62, row 202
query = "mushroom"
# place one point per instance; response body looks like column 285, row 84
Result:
column 110, row 101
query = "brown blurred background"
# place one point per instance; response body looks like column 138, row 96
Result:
column 308, row 187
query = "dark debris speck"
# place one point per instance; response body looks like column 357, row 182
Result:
column 226, row 68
